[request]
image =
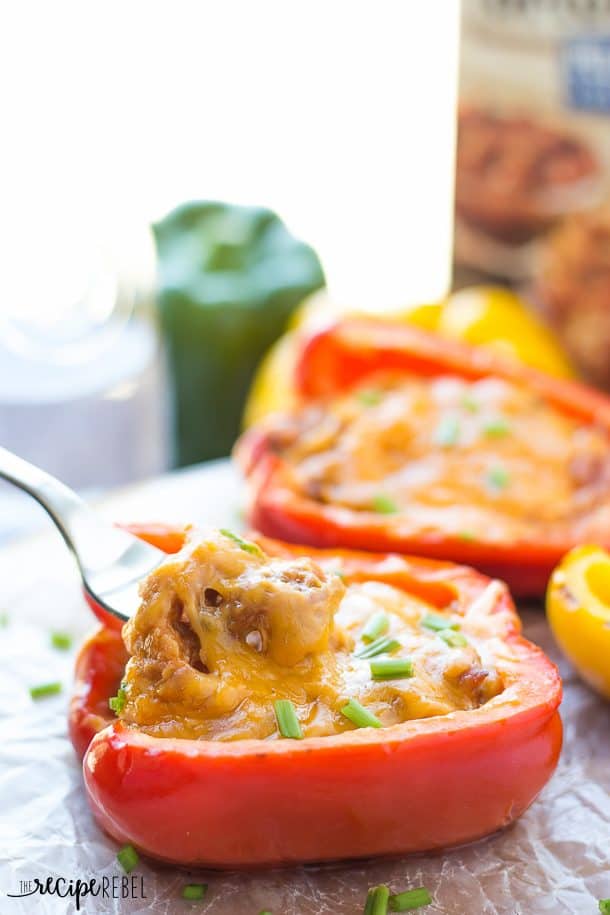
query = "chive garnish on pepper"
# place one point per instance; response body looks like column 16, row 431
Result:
column 287, row 721
column 117, row 703
column 498, row 477
column 384, row 505
column 246, row 545
column 377, row 901
column 604, row 906
column 391, row 668
column 376, row 626
column 194, row 891
column 61, row 640
column 453, row 639
column 128, row 858
column 359, row 715
column 469, row 403
column 467, row 536
column 383, row 645
column 45, row 689
column 447, row 432
column 497, row 427
column 409, row 900
column 436, row 622
column 369, row 397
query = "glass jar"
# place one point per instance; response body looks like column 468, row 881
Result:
column 82, row 379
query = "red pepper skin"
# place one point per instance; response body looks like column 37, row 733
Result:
column 99, row 667
column 425, row 784
column 337, row 358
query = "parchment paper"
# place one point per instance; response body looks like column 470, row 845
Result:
column 555, row 859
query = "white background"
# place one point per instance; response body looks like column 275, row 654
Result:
column 338, row 114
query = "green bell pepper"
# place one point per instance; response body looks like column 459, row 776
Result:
column 229, row 278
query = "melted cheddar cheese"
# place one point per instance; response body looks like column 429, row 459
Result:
column 485, row 458
column 224, row 631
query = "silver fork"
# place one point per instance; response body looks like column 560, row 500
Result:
column 111, row 562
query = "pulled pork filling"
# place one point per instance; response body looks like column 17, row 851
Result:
column 224, row 631
column 485, row 458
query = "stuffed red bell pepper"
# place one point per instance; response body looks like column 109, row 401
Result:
column 407, row 442
column 272, row 704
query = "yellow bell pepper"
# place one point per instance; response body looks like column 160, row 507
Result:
column 481, row 315
column 271, row 390
column 496, row 317
column 578, row 611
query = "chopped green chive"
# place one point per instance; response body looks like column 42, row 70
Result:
column 45, row 689
column 128, row 858
column 117, row 703
column 497, row 427
column 391, row 668
column 287, row 720
column 384, row 505
column 447, row 432
column 4, row 620
column 359, row 715
column 61, row 640
column 498, row 477
column 376, row 626
column 604, row 906
column 410, row 899
column 468, row 536
column 246, row 545
column 469, row 403
column 384, row 645
column 377, row 901
column 370, row 397
column 265, row 912
column 454, row 639
column 194, row 890
column 436, row 622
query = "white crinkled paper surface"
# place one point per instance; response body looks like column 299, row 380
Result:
column 555, row 859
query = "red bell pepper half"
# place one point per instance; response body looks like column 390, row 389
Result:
column 343, row 355
column 424, row 784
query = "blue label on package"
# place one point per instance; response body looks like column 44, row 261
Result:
column 585, row 66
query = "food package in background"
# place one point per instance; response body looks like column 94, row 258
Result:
column 533, row 128
column 571, row 287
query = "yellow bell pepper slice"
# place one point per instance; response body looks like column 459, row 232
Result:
column 578, row 611
column 272, row 390
column 496, row 317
